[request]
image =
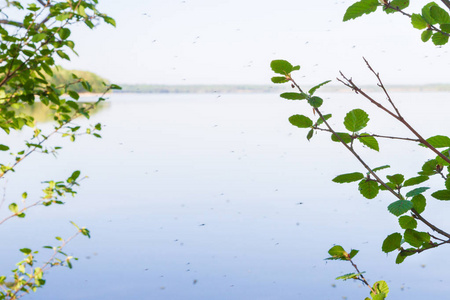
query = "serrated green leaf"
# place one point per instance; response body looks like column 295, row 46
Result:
column 426, row 13
column 301, row 121
column 282, row 67
column 320, row 120
column 381, row 168
column 400, row 4
column 349, row 276
column 442, row 195
column 419, row 202
column 369, row 141
column 400, row 207
column 415, row 180
column 439, row 39
column 396, row 179
column 368, row 188
column 418, row 22
column 380, row 296
column 407, row 222
column 439, row 14
column 426, row 35
column 356, row 120
column 353, row 253
column 391, row 242
column 439, row 141
column 429, row 168
column 349, row 177
column 315, row 101
column 381, row 288
column 279, row 79
column 360, row 8
column 346, row 138
column 416, row 238
column 445, row 28
column 314, row 89
column 416, row 191
column 337, row 252
column 293, row 96
column 404, row 254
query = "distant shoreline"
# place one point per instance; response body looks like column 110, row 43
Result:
column 246, row 89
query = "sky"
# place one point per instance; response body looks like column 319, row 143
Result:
column 233, row 42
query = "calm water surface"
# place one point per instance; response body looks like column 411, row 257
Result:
column 207, row 197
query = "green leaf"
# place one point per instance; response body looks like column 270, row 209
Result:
column 400, row 4
column 442, row 195
column 415, row 180
column 427, row 15
column 447, row 183
column 13, row 208
column 445, row 28
column 25, row 251
column 356, row 120
column 337, row 253
column 419, row 202
column 429, row 168
column 282, row 67
column 73, row 95
column 404, row 254
column 439, row 141
column 38, row 37
column 300, row 121
column 4, row 147
column 314, row 89
column 279, row 79
column 320, row 120
column 346, row 138
column 349, row 177
column 349, row 276
column 64, row 33
column 400, row 207
column 381, row 168
column 416, row 191
column 62, row 17
column 315, row 101
column 63, row 55
column 293, row 96
column 369, row 141
column 110, row 21
column 368, row 188
column 426, row 35
column 353, row 253
column 416, row 238
column 407, row 222
column 439, row 15
column 75, row 175
column 392, row 242
column 382, row 290
column 439, row 39
column 310, row 134
column 418, row 22
column 396, row 179
column 359, row 8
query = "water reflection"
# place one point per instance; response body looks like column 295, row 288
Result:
column 195, row 197
column 43, row 114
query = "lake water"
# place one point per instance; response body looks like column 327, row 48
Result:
column 207, row 197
